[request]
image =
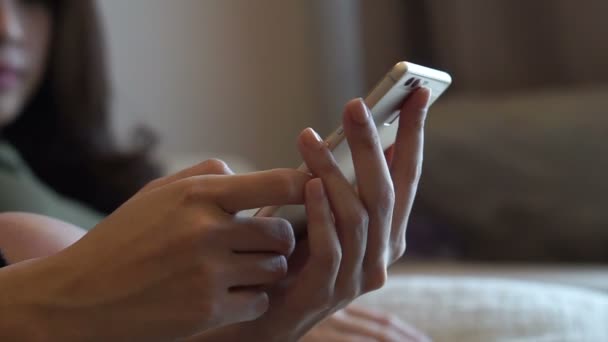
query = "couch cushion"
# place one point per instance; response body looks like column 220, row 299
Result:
column 524, row 176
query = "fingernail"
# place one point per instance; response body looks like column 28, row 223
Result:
column 312, row 139
column 360, row 114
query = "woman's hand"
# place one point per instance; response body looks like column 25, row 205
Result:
column 352, row 236
column 357, row 323
column 174, row 260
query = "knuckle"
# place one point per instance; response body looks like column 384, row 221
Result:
column 328, row 166
column 192, row 192
column 419, row 123
column 360, row 218
column 376, row 278
column 260, row 304
column 384, row 203
column 202, row 230
column 398, row 250
column 190, row 235
column 388, row 196
column 335, row 259
column 284, row 236
column 416, row 123
column 371, row 140
column 413, row 174
column 215, row 166
column 285, row 184
column 279, row 266
column 349, row 294
column 206, row 226
column 330, row 260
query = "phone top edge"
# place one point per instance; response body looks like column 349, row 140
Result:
column 423, row 71
column 401, row 69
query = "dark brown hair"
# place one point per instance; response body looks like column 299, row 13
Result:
column 64, row 131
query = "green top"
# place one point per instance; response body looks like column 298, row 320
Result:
column 21, row 191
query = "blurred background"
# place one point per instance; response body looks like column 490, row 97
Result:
column 516, row 155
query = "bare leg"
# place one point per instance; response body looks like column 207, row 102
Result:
column 28, row 236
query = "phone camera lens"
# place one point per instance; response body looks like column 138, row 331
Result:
column 409, row 81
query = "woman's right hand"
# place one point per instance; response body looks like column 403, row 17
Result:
column 175, row 259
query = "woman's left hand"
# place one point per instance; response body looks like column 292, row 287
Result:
column 356, row 323
column 353, row 236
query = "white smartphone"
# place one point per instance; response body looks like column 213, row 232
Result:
column 384, row 102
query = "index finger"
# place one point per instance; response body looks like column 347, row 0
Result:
column 208, row 167
column 234, row 193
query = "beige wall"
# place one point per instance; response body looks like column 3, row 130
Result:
column 383, row 29
column 231, row 78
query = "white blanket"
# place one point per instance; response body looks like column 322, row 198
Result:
column 470, row 309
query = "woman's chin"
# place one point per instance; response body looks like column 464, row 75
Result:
column 9, row 109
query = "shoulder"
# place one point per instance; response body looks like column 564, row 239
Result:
column 26, row 236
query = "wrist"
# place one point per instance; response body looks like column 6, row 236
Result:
column 21, row 316
column 32, row 305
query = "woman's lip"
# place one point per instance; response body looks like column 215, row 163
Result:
column 10, row 77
